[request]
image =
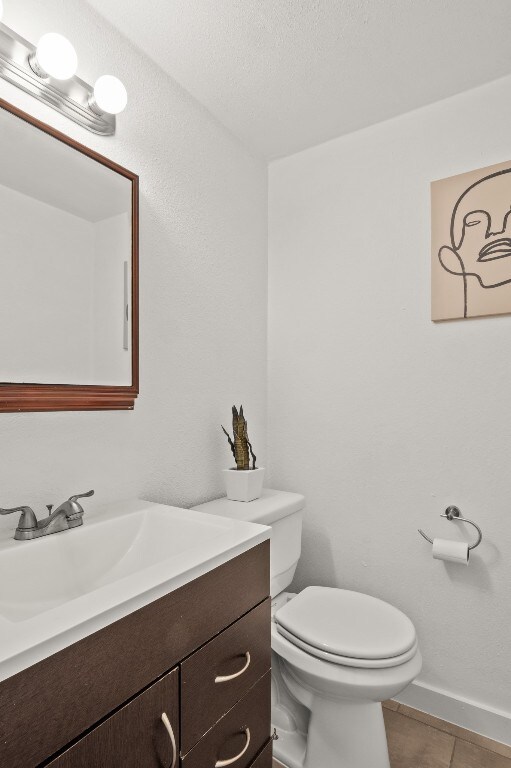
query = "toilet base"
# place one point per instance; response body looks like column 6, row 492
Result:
column 289, row 749
column 338, row 735
column 318, row 731
column 337, row 738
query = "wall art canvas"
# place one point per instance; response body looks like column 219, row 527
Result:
column 471, row 244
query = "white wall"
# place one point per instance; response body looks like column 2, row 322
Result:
column 203, row 281
column 378, row 416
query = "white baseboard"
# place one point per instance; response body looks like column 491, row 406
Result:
column 472, row 715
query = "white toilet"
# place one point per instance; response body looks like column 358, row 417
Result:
column 336, row 654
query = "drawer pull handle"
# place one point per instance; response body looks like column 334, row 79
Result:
column 166, row 723
column 222, row 763
column 226, row 678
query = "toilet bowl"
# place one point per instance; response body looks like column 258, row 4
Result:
column 336, row 654
column 341, row 721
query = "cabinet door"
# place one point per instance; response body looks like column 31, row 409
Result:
column 134, row 736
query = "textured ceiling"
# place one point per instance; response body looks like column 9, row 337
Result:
column 287, row 74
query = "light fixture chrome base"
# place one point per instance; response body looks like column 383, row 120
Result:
column 72, row 98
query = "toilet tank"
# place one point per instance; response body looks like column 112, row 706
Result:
column 282, row 511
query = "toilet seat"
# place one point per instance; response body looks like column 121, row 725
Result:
column 347, row 628
column 348, row 661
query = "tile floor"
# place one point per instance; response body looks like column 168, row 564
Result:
column 418, row 740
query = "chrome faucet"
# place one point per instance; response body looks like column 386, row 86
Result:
column 68, row 515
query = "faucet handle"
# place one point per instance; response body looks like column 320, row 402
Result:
column 81, row 495
column 27, row 518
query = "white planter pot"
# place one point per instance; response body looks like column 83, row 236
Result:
column 243, row 484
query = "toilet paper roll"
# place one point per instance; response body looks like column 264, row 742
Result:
column 453, row 551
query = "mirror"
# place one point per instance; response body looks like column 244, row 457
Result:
column 69, row 269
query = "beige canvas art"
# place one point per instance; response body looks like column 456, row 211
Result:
column 471, row 244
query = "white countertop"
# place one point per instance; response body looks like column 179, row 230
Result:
column 58, row 589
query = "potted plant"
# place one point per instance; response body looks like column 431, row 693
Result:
column 242, row 482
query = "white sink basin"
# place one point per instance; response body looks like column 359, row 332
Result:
column 59, row 588
column 39, row 575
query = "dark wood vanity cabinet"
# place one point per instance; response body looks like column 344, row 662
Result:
column 200, row 654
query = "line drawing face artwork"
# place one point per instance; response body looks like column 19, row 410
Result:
column 471, row 244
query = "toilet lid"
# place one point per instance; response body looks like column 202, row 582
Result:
column 348, row 624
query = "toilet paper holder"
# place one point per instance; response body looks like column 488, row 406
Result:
column 453, row 513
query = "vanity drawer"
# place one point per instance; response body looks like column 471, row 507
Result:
column 242, row 732
column 135, row 736
column 218, row 675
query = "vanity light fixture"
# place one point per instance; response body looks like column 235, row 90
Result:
column 109, row 95
column 48, row 72
column 54, row 57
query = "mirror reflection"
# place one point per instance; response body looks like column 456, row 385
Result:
column 65, row 263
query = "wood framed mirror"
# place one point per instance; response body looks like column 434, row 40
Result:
column 68, row 272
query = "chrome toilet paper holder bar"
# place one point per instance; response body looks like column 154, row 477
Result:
column 453, row 513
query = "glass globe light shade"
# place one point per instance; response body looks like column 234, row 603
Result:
column 110, row 94
column 56, row 56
